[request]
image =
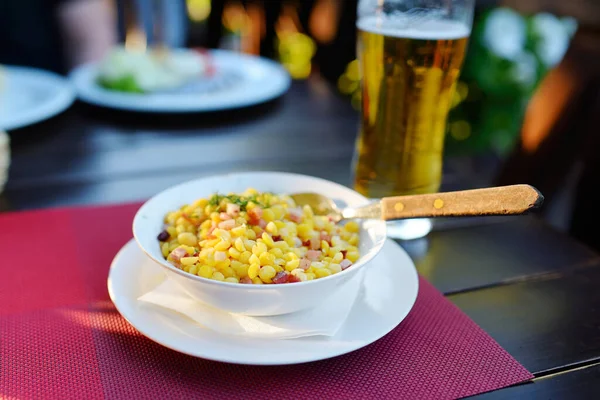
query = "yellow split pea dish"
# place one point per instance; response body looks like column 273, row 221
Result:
column 256, row 238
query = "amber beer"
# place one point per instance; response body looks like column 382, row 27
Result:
column 408, row 81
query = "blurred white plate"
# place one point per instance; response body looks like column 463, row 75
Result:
column 32, row 95
column 387, row 294
column 240, row 80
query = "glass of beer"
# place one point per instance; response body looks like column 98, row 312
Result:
column 410, row 55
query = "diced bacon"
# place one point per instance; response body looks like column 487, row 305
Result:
column 313, row 255
column 255, row 215
column 293, row 278
column 277, row 238
column 326, row 237
column 233, row 209
column 281, row 277
column 224, row 216
column 304, row 264
column 220, row 256
column 345, row 264
column 177, row 254
column 246, row 280
column 297, row 242
column 315, row 244
column 227, row 225
column 262, row 223
column 344, row 252
column 306, row 243
column 295, row 215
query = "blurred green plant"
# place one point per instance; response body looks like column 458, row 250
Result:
column 508, row 56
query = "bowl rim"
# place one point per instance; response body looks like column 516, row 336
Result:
column 362, row 261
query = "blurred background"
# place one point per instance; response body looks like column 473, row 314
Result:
column 528, row 101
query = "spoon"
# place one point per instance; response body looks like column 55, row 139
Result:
column 501, row 200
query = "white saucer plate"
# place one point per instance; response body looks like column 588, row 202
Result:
column 32, row 95
column 240, row 80
column 386, row 296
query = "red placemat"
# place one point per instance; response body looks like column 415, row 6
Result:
column 61, row 337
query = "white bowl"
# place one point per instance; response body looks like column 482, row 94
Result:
column 256, row 300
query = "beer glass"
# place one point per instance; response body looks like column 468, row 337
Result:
column 410, row 54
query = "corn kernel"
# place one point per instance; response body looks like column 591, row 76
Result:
column 254, row 259
column 334, row 268
column 250, row 234
column 217, row 276
column 186, row 268
column 322, row 272
column 308, row 212
column 165, row 249
column 240, row 269
column 333, row 251
column 267, row 273
column 279, row 224
column 227, row 272
column 223, row 264
column 232, row 279
column 187, row 238
column 239, row 244
column 266, row 259
column 300, row 274
column 249, row 244
column 259, row 248
column 245, row 257
column 188, row 260
column 282, row 245
column 310, row 276
column 337, row 258
column 239, row 230
column 257, row 281
column 268, row 215
column 317, row 265
column 222, row 234
column 353, row 240
column 292, row 265
column 336, row 241
column 234, row 253
column 253, row 270
column 223, row 245
column 278, row 268
column 276, row 252
column 324, row 246
column 205, row 271
column 352, row 226
column 272, row 228
column 206, row 224
column 267, row 239
column 304, row 231
column 212, row 243
column 352, row 256
column 193, row 269
column 172, row 231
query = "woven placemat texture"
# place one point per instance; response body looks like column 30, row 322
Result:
column 61, row 337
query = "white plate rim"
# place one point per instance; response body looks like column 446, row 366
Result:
column 65, row 96
column 276, row 82
column 133, row 320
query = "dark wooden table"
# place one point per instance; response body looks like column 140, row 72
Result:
column 531, row 288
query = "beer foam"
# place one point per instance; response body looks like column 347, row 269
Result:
column 439, row 29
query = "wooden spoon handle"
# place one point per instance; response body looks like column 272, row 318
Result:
column 502, row 200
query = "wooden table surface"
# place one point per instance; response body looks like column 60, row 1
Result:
column 533, row 289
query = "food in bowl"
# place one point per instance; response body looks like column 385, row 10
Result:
column 256, row 238
column 153, row 70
